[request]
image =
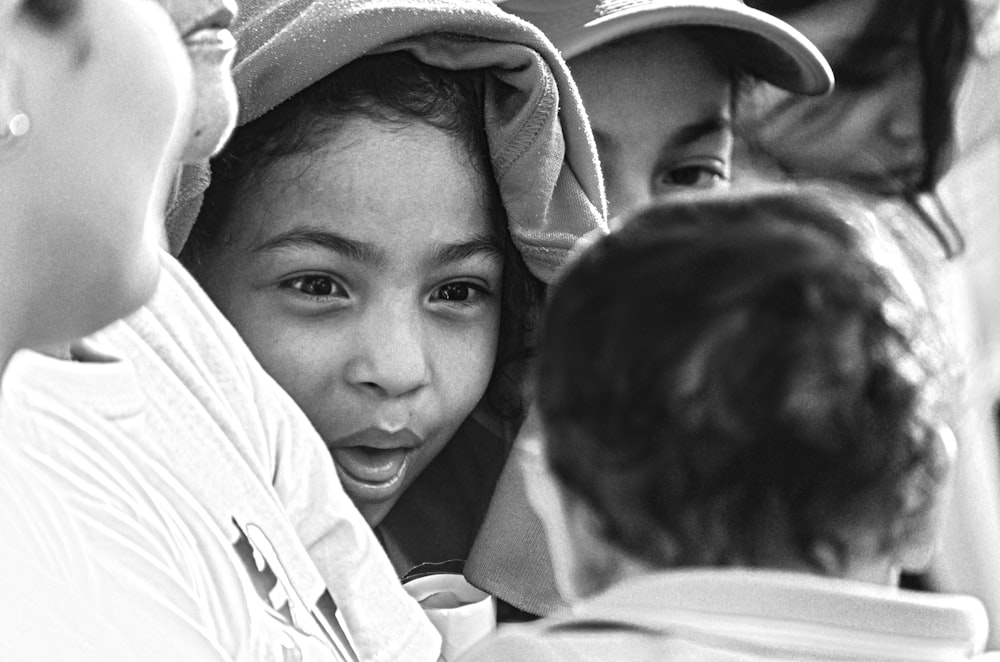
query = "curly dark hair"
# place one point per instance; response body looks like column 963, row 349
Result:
column 393, row 89
column 730, row 375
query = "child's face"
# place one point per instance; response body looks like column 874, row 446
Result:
column 660, row 107
column 366, row 278
column 107, row 94
column 868, row 132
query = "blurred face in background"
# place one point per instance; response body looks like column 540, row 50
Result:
column 660, row 106
column 869, row 132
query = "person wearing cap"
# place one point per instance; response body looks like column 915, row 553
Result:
column 405, row 178
column 660, row 81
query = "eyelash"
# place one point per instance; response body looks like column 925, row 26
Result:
column 717, row 174
column 335, row 286
column 477, row 292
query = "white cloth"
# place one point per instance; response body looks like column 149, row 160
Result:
column 103, row 550
column 249, row 456
column 58, row 595
column 738, row 615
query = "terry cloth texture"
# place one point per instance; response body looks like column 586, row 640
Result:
column 541, row 147
column 737, row 615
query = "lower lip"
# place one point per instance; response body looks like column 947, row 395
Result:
column 371, row 472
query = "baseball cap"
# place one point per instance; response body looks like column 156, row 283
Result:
column 774, row 51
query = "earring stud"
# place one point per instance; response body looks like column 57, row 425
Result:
column 18, row 125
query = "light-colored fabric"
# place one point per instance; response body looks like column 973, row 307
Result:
column 541, row 147
column 749, row 616
column 107, row 537
column 250, row 457
column 59, row 594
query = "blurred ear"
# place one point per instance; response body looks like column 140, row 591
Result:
column 599, row 562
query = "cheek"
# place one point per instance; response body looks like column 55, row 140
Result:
column 464, row 358
column 305, row 357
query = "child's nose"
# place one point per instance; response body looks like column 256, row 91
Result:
column 391, row 360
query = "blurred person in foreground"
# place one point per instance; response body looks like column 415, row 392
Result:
column 662, row 83
column 104, row 555
column 751, row 450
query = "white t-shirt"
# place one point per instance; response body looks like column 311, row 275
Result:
column 239, row 444
column 104, row 555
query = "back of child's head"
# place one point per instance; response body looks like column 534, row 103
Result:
column 730, row 380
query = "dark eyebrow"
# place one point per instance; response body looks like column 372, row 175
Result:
column 692, row 133
column 680, row 137
column 352, row 249
column 477, row 246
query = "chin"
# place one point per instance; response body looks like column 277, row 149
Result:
column 132, row 290
column 214, row 117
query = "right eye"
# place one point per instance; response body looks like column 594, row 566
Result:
column 315, row 285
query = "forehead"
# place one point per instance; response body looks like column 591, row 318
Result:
column 386, row 184
column 652, row 82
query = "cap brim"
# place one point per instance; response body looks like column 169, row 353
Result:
column 780, row 54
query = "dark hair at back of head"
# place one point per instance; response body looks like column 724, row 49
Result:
column 393, row 89
column 721, row 382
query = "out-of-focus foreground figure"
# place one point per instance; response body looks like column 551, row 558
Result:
column 742, row 406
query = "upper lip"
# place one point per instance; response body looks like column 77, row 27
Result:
column 375, row 437
column 220, row 19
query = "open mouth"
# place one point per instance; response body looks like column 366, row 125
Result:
column 371, row 466
column 211, row 39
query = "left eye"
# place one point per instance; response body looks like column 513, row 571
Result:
column 455, row 292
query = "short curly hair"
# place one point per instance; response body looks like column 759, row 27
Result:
column 727, row 373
